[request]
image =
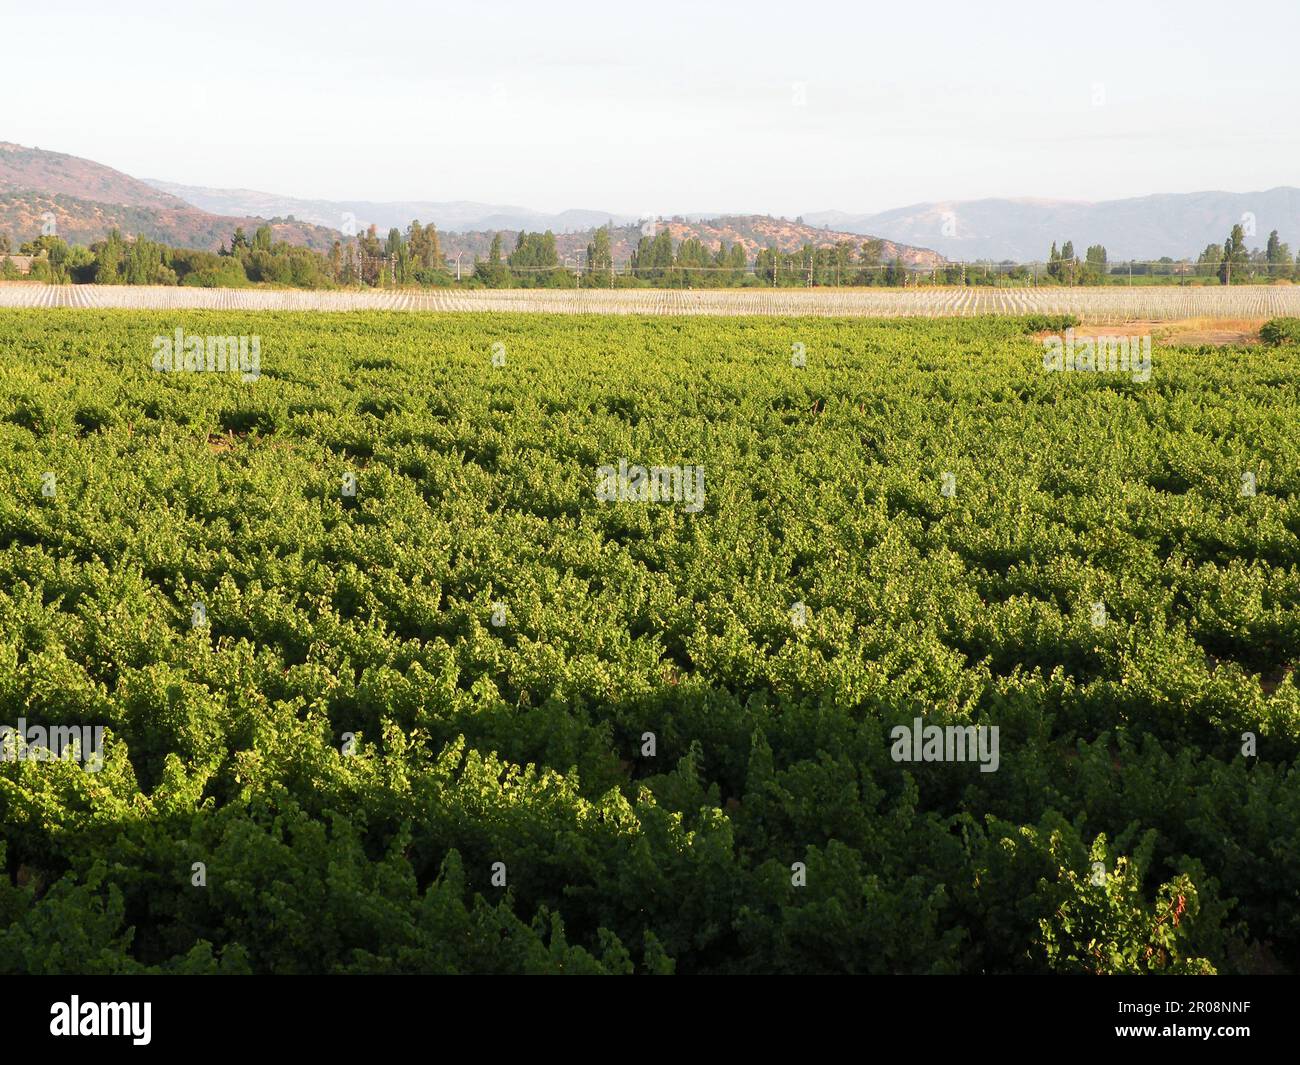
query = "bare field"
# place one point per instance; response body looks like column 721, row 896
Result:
column 1183, row 332
column 1245, row 303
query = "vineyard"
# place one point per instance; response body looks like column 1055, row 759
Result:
column 398, row 669
column 1115, row 304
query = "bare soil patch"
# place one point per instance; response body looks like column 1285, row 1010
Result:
column 1181, row 332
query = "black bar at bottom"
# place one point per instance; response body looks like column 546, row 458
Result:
column 1221, row 1014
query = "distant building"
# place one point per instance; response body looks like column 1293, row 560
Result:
column 23, row 262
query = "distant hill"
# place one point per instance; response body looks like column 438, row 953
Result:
column 754, row 232
column 468, row 227
column 68, row 175
column 1178, row 225
column 87, row 200
column 454, row 216
column 22, row 215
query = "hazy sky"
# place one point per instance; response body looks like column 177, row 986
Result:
column 666, row 107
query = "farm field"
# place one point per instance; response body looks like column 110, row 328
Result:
column 397, row 674
column 1111, row 304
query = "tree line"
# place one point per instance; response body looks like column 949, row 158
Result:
column 117, row 260
column 1231, row 262
column 415, row 257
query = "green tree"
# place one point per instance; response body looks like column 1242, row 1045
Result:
column 493, row 273
column 600, row 257
column 1094, row 265
column 1235, row 264
column 1278, row 258
column 1209, row 260
column 535, row 260
column 108, row 259
column 425, row 250
column 870, row 258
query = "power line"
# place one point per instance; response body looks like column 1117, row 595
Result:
column 1171, row 269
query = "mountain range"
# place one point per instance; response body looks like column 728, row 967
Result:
column 467, row 227
column 459, row 216
column 84, row 200
column 1178, row 225
column 752, row 232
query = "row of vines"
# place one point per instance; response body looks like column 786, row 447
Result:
column 387, row 686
